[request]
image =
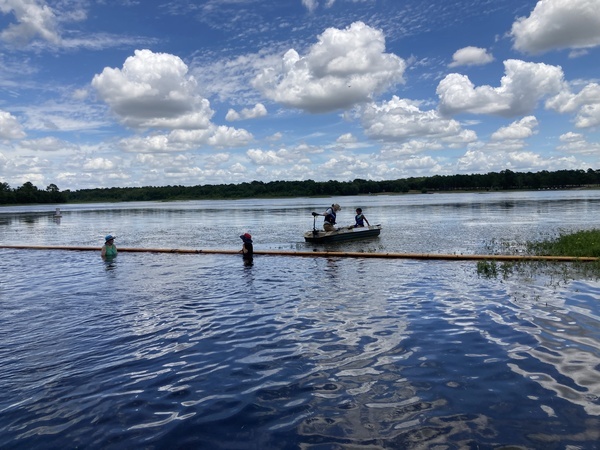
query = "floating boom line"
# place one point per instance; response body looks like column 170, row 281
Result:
column 430, row 256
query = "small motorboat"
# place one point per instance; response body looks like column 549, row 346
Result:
column 342, row 234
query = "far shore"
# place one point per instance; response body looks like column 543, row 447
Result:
column 410, row 192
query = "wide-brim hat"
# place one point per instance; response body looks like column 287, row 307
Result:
column 246, row 237
column 336, row 207
column 109, row 237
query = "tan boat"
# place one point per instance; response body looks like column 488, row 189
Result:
column 342, row 234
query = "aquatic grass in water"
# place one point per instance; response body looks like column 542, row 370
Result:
column 580, row 243
column 584, row 243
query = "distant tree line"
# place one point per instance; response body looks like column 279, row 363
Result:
column 493, row 181
column 28, row 193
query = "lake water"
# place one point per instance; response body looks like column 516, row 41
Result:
column 172, row 351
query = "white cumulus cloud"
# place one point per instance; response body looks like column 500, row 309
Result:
column 487, row 160
column 10, row 128
column 402, row 119
column 153, row 90
column 47, row 144
column 521, row 129
column 98, row 164
column 33, row 20
column 586, row 103
column 346, row 138
column 259, row 110
column 588, row 116
column 471, row 56
column 343, row 68
column 186, row 140
column 558, row 24
column 521, row 88
column 575, row 143
column 268, row 158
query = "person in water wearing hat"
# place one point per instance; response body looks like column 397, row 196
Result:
column 109, row 250
column 247, row 250
column 330, row 216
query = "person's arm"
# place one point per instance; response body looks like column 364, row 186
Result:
column 103, row 252
column 368, row 224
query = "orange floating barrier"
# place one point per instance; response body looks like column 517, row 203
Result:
column 431, row 256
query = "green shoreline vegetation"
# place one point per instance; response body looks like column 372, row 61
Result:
column 504, row 180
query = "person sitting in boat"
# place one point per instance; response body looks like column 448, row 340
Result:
column 330, row 216
column 109, row 249
column 360, row 219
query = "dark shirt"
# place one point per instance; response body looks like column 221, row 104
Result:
column 330, row 216
column 247, row 250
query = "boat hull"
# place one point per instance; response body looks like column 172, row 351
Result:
column 342, row 234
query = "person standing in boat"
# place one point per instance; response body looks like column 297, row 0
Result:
column 360, row 219
column 330, row 216
column 109, row 249
column 247, row 250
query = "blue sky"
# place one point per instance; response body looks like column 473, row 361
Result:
column 152, row 93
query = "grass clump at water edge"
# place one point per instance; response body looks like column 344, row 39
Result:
column 578, row 244
column 584, row 243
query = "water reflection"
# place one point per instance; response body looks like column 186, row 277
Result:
column 567, row 343
column 31, row 218
column 331, row 268
column 548, row 332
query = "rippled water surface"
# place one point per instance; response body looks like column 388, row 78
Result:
column 201, row 351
